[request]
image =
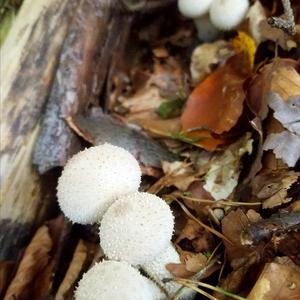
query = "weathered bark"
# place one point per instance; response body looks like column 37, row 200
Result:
column 92, row 39
column 28, row 62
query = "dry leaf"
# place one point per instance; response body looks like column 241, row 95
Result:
column 6, row 272
column 195, row 262
column 35, row 258
column 59, row 230
column 223, row 174
column 232, row 226
column 206, row 57
column 179, row 270
column 278, row 77
column 276, row 282
column 194, row 238
column 217, row 102
column 73, row 272
column 285, row 145
column 287, row 112
column 245, row 44
column 285, row 79
column 272, row 187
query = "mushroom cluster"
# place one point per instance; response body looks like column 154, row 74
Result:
column 210, row 16
column 100, row 185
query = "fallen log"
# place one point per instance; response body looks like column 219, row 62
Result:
column 94, row 35
column 28, row 61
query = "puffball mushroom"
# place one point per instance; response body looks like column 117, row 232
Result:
column 156, row 269
column 227, row 14
column 93, row 179
column 115, row 280
column 194, row 8
column 136, row 228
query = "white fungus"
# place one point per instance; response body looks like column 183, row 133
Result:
column 93, row 179
column 193, row 8
column 227, row 14
column 136, row 228
column 115, row 280
column 156, row 269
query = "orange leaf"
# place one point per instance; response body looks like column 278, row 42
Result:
column 216, row 103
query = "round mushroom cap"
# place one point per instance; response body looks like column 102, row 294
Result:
column 136, row 228
column 115, row 280
column 227, row 14
column 93, row 179
column 194, row 8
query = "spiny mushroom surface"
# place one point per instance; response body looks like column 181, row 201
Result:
column 110, row 280
column 136, row 228
column 227, row 14
column 93, row 179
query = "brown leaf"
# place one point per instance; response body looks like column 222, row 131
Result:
column 232, row 226
column 35, row 258
column 194, row 238
column 276, row 282
column 59, row 230
column 272, row 187
column 179, row 270
column 195, row 262
column 6, row 273
column 217, row 102
column 73, row 272
column 281, row 77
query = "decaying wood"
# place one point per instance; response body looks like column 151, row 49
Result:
column 99, row 128
column 28, row 61
column 92, row 39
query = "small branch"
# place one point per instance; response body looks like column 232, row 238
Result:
column 286, row 22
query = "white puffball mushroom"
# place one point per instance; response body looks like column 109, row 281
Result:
column 115, row 280
column 136, row 228
column 93, row 179
column 227, row 14
column 193, row 8
column 156, row 269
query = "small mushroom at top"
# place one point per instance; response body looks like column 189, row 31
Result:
column 110, row 280
column 136, row 228
column 93, row 179
column 227, row 14
column 194, row 8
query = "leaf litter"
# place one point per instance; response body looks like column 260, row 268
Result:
column 216, row 129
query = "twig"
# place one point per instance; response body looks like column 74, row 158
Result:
column 211, row 230
column 285, row 22
column 208, row 286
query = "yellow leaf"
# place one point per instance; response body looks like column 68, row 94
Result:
column 244, row 43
